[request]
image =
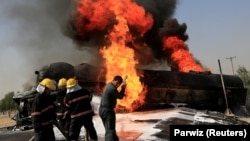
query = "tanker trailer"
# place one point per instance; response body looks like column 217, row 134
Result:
column 91, row 77
column 55, row 71
column 197, row 90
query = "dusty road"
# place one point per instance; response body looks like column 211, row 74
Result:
column 17, row 136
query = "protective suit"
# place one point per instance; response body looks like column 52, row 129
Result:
column 78, row 100
column 43, row 111
column 62, row 110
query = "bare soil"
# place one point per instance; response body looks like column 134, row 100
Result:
column 6, row 121
column 246, row 119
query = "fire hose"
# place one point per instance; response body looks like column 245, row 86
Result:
column 56, row 123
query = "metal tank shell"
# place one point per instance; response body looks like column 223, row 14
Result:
column 198, row 90
column 56, row 71
column 90, row 77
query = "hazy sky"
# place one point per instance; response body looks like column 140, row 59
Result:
column 217, row 29
column 30, row 36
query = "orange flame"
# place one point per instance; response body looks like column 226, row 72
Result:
column 100, row 15
column 119, row 58
column 180, row 55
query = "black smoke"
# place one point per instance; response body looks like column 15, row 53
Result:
column 162, row 12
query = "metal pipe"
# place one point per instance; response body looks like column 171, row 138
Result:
column 231, row 59
column 223, row 85
column 228, row 111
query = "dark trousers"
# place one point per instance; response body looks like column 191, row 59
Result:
column 76, row 125
column 109, row 120
column 45, row 134
column 65, row 122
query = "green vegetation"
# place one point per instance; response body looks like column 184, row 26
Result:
column 7, row 103
column 244, row 74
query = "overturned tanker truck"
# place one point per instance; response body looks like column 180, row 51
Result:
column 195, row 90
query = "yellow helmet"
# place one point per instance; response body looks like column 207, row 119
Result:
column 62, row 82
column 71, row 83
column 46, row 82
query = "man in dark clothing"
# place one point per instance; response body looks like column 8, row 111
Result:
column 62, row 110
column 78, row 100
column 59, row 100
column 108, row 103
column 43, row 111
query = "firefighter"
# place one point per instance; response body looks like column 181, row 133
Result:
column 78, row 99
column 44, row 111
column 108, row 103
column 62, row 111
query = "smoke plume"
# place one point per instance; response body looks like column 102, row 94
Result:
column 84, row 30
column 33, row 36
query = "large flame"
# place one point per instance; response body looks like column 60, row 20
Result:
column 92, row 15
column 119, row 58
column 180, row 55
column 122, row 24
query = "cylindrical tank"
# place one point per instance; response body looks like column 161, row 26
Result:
column 90, row 77
column 199, row 90
column 56, row 71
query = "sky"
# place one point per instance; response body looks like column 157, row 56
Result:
column 217, row 30
column 31, row 36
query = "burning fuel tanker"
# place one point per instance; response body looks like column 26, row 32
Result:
column 196, row 90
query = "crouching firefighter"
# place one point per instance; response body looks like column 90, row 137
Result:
column 43, row 111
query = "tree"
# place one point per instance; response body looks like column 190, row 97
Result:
column 7, row 103
column 244, row 74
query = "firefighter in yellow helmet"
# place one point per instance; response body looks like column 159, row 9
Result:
column 62, row 111
column 43, row 111
column 60, row 96
column 78, row 99
column 62, row 82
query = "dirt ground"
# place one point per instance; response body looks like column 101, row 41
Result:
column 6, row 120
column 246, row 119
